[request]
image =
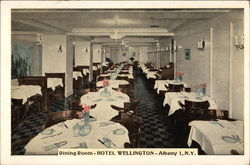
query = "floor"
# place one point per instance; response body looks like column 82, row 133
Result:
column 157, row 129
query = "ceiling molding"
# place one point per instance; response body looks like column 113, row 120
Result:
column 46, row 27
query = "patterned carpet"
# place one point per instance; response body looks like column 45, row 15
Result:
column 157, row 129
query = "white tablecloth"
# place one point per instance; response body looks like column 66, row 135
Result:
column 85, row 71
column 151, row 74
column 115, row 98
column 126, row 75
column 172, row 99
column 217, row 137
column 103, row 112
column 77, row 74
column 113, row 83
column 53, row 82
column 25, row 91
column 160, row 84
column 99, row 130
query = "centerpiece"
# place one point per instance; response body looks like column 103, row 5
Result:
column 105, row 92
column 179, row 77
column 202, row 89
column 84, row 127
column 105, row 85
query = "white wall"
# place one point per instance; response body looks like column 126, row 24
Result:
column 237, row 81
column 69, row 68
column 81, row 56
column 53, row 61
column 197, row 70
column 97, row 53
column 114, row 55
column 143, row 55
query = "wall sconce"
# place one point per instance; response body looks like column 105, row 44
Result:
column 98, row 51
column 239, row 42
column 174, row 46
column 86, row 50
column 60, row 49
column 167, row 49
column 201, row 45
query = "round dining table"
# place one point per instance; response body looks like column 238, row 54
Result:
column 104, row 99
column 64, row 135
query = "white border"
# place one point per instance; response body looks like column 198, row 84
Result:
column 5, row 84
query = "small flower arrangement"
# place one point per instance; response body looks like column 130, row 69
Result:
column 202, row 90
column 203, row 85
column 105, row 83
column 179, row 77
column 85, row 111
column 179, row 74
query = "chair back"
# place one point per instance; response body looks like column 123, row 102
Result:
column 133, row 124
column 196, row 105
column 175, row 87
column 168, row 73
column 101, row 78
column 193, row 110
column 58, row 117
column 92, row 87
column 122, row 78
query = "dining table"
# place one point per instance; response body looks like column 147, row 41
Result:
column 105, row 98
column 74, row 134
column 103, row 113
column 160, row 84
column 113, row 83
column 217, row 137
column 24, row 92
column 85, row 71
column 53, row 82
column 173, row 99
column 77, row 74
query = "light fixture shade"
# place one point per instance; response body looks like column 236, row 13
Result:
column 116, row 36
column 60, row 49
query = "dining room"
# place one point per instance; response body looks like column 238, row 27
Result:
column 128, row 78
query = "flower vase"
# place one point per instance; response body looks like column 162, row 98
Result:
column 179, row 79
column 202, row 92
column 105, row 89
column 86, row 118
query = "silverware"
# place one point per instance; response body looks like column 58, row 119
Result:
column 106, row 140
column 62, row 125
column 65, row 125
column 51, row 135
column 103, row 143
column 55, row 145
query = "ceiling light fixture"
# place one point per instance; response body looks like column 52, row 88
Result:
column 116, row 36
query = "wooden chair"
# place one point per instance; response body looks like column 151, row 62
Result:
column 133, row 124
column 174, row 87
column 74, row 104
column 168, row 73
column 122, row 78
column 92, row 87
column 131, row 107
column 124, row 89
column 58, row 117
column 101, row 78
column 193, row 110
column 206, row 114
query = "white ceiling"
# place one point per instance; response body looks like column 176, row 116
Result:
column 143, row 23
